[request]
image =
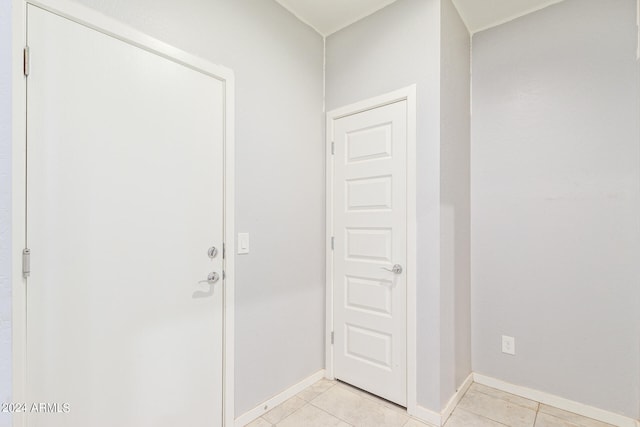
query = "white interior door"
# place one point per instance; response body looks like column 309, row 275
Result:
column 124, row 199
column 370, row 226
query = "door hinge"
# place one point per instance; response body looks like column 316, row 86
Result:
column 223, row 251
column 333, row 242
column 26, row 61
column 332, row 337
column 333, row 148
column 224, row 275
column 26, row 262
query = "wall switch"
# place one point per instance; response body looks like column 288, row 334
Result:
column 508, row 345
column 243, row 243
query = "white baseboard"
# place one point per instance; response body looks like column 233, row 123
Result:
column 455, row 399
column 438, row 419
column 264, row 407
column 427, row 415
column 558, row 402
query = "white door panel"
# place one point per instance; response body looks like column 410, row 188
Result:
column 125, row 196
column 369, row 220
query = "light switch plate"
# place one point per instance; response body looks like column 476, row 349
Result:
column 243, row 243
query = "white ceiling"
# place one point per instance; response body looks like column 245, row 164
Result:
column 329, row 16
column 482, row 14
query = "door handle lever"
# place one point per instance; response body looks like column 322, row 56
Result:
column 212, row 278
column 396, row 269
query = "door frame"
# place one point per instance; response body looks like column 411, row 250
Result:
column 111, row 27
column 407, row 94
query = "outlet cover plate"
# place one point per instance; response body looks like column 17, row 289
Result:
column 508, row 345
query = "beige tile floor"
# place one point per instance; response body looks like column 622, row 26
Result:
column 332, row 403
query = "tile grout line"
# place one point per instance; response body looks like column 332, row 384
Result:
column 288, row 415
column 363, row 394
column 373, row 398
column 508, row 401
column 333, row 415
column 280, row 406
column 380, row 402
column 538, row 409
column 573, row 422
column 503, row 400
column 309, row 402
column 368, row 397
column 319, row 394
column 481, row 416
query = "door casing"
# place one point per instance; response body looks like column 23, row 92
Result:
column 113, row 28
column 408, row 94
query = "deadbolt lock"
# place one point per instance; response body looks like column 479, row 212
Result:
column 212, row 252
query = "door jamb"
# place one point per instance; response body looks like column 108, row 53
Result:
column 408, row 94
column 94, row 20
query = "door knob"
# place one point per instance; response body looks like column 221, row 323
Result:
column 212, row 278
column 396, row 269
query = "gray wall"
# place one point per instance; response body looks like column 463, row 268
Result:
column 5, row 207
column 455, row 134
column 390, row 49
column 556, row 202
column 279, row 177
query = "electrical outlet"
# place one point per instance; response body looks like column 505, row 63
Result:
column 508, row 345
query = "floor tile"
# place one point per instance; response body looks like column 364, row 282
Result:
column 316, row 389
column 358, row 410
column 520, row 401
column 496, row 409
column 284, row 410
column 462, row 418
column 371, row 397
column 546, row 420
column 571, row 417
column 310, row 416
column 260, row 422
column 415, row 423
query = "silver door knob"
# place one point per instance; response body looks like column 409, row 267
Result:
column 212, row 278
column 396, row 269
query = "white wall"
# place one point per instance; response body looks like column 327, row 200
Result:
column 390, row 49
column 455, row 134
column 5, row 207
column 279, row 177
column 556, row 202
